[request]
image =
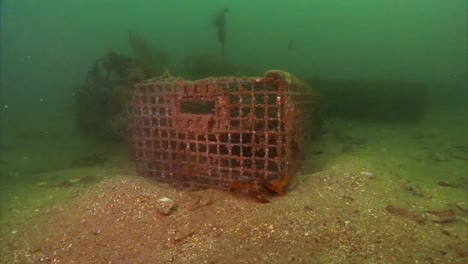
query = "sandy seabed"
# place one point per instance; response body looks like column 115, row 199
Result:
column 336, row 216
column 374, row 195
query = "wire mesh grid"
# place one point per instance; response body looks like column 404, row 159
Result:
column 220, row 131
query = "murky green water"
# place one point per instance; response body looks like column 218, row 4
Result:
column 393, row 76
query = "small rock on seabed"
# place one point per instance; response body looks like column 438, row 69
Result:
column 368, row 174
column 166, row 206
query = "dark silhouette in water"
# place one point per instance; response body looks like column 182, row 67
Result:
column 220, row 23
column 290, row 44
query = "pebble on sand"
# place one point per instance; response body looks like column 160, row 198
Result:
column 166, row 206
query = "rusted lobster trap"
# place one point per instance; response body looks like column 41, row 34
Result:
column 238, row 134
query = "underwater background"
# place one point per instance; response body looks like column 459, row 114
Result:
column 53, row 43
column 393, row 79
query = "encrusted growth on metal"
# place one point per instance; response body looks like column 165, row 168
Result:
column 238, row 134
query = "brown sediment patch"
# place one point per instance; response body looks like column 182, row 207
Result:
column 446, row 184
column 442, row 216
column 403, row 212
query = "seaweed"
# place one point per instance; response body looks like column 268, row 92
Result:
column 101, row 102
column 220, row 23
column 151, row 59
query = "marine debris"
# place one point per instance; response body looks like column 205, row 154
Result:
column 244, row 135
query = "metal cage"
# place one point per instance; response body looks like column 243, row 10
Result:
column 218, row 132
